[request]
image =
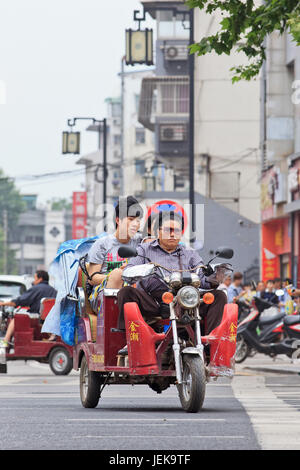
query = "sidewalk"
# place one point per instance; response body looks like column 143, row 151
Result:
column 265, row 364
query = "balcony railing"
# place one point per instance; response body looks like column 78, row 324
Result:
column 163, row 97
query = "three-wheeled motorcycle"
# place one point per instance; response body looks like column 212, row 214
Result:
column 30, row 344
column 170, row 350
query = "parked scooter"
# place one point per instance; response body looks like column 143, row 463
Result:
column 270, row 335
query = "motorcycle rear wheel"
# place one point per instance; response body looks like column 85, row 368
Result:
column 90, row 383
column 192, row 390
column 242, row 350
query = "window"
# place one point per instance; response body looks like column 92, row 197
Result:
column 170, row 26
column 174, row 98
column 117, row 139
column 140, row 167
column 137, row 102
column 140, row 136
column 34, row 239
column 29, row 270
column 115, row 109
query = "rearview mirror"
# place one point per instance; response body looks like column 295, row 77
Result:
column 224, row 252
column 127, row 252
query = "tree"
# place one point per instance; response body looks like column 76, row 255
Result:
column 245, row 26
column 60, row 204
column 12, row 204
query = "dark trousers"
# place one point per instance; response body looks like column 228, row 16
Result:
column 150, row 308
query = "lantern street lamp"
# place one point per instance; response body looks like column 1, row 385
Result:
column 71, row 144
column 139, row 44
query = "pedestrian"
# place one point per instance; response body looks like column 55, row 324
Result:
column 260, row 288
column 248, row 294
column 235, row 291
column 269, row 293
column 225, row 284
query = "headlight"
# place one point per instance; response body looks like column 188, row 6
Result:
column 188, row 297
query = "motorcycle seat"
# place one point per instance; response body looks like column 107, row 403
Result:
column 291, row 319
column 271, row 319
column 262, row 304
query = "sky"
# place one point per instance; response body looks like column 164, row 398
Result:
column 59, row 59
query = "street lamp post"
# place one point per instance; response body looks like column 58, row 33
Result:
column 71, row 144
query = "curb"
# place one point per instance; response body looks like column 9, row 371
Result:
column 272, row 369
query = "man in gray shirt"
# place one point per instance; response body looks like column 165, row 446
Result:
column 167, row 251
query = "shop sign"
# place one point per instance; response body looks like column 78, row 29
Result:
column 79, row 210
column 268, row 186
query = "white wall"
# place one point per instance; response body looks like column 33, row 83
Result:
column 132, row 151
column 227, row 122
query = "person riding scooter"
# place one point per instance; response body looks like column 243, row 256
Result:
column 167, row 251
column 31, row 298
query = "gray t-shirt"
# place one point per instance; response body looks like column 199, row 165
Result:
column 105, row 252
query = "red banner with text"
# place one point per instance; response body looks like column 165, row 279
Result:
column 79, row 210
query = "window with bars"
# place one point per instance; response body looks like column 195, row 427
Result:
column 140, row 137
column 174, row 98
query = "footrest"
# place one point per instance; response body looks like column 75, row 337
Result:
column 122, row 361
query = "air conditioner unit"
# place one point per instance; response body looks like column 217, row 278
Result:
column 173, row 132
column 176, row 52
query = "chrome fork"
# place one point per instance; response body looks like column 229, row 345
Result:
column 176, row 346
column 199, row 344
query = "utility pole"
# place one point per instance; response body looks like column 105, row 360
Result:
column 105, row 172
column 5, row 233
column 122, row 124
column 191, row 133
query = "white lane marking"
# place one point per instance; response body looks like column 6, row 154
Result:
column 105, row 398
column 158, row 437
column 271, row 417
column 163, row 420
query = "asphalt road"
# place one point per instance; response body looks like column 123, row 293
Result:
column 42, row 411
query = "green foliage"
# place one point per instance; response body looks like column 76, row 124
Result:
column 11, row 201
column 60, row 204
column 244, row 27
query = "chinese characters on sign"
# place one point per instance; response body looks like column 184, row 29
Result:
column 79, row 229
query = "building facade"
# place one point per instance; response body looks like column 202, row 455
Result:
column 38, row 236
column 280, row 184
column 226, row 116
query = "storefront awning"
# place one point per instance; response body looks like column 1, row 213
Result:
column 292, row 207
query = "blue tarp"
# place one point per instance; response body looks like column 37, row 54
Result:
column 64, row 268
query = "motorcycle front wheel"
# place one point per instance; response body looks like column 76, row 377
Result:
column 242, row 350
column 192, row 390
